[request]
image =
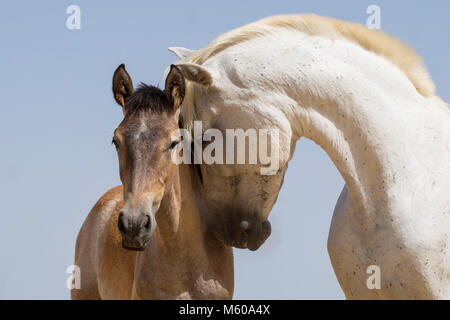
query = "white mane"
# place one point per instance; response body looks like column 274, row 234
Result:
column 378, row 42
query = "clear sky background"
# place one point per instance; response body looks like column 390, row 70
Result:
column 58, row 116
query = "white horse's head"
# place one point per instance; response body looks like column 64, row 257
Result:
column 235, row 198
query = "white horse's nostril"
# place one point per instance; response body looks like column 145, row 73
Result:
column 244, row 224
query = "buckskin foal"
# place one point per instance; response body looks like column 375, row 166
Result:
column 154, row 210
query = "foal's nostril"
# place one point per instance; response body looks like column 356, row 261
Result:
column 120, row 223
column 147, row 222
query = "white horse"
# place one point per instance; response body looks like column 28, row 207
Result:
column 368, row 101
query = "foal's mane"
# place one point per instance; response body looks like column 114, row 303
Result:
column 378, row 42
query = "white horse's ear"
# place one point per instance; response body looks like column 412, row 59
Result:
column 181, row 52
column 197, row 74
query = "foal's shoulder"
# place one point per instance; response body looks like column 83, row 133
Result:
column 105, row 207
column 113, row 194
column 93, row 228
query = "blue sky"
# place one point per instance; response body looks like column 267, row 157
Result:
column 58, row 115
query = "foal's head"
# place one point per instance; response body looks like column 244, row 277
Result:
column 144, row 141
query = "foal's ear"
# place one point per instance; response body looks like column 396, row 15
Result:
column 175, row 86
column 122, row 85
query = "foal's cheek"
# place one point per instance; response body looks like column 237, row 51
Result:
column 122, row 168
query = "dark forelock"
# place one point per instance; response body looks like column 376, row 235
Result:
column 148, row 98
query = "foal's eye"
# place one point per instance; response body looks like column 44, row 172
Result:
column 114, row 142
column 174, row 144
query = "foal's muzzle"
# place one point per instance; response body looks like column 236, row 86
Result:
column 136, row 231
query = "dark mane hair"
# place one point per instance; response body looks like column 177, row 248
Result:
column 148, row 98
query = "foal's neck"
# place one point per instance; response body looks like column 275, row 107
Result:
column 178, row 225
column 168, row 214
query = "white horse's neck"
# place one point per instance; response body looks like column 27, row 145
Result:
column 360, row 108
column 391, row 145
